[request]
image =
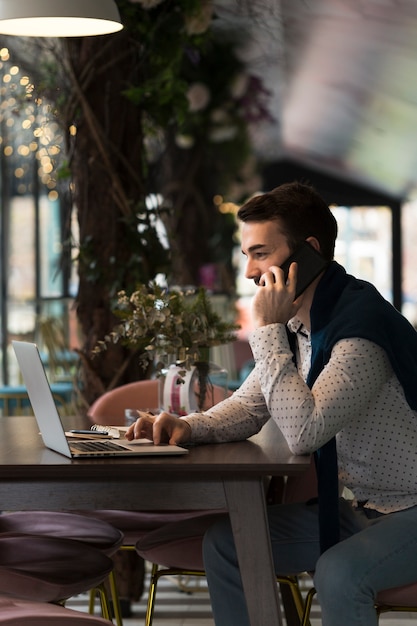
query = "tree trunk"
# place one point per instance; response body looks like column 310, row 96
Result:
column 108, row 190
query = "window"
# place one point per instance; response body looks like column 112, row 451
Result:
column 363, row 247
column 409, row 261
column 35, row 286
column 364, row 244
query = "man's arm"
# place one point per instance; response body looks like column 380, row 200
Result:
column 349, row 383
column 236, row 418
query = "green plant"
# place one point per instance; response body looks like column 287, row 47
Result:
column 162, row 324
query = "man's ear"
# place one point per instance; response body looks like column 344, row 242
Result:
column 314, row 243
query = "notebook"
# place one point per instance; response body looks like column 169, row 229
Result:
column 50, row 424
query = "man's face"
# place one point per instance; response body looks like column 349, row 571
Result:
column 264, row 245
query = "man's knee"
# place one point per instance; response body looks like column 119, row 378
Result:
column 218, row 538
column 335, row 576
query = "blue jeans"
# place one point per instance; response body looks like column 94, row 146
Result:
column 375, row 553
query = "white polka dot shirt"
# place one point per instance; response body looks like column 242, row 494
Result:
column 357, row 397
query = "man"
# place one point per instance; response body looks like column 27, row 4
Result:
column 339, row 363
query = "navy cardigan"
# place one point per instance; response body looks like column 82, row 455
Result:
column 343, row 307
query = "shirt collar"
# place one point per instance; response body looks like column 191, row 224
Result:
column 295, row 326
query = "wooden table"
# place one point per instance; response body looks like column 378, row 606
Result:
column 213, row 476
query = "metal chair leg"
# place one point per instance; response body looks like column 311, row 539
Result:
column 307, row 607
column 156, row 574
column 115, row 599
column 151, row 595
column 101, row 591
column 292, row 582
column 117, row 611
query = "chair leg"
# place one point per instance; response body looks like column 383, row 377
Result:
column 117, row 611
column 156, row 574
column 151, row 595
column 101, row 591
column 299, row 604
column 104, row 602
column 115, row 599
column 292, row 582
column 91, row 601
column 307, row 607
column 303, row 609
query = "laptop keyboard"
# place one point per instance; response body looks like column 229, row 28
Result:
column 94, row 446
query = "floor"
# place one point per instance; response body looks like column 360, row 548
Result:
column 175, row 607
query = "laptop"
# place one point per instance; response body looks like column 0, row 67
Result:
column 50, row 424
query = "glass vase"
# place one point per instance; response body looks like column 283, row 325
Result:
column 193, row 388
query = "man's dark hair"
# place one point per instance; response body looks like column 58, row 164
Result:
column 300, row 211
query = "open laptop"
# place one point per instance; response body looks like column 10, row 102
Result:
column 50, row 424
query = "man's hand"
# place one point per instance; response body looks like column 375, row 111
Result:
column 274, row 299
column 162, row 428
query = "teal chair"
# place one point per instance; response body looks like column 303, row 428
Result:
column 14, row 399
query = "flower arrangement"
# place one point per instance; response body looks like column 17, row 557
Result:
column 170, row 326
column 163, row 324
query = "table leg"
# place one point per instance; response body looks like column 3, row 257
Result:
column 247, row 510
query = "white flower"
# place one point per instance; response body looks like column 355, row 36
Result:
column 184, row 141
column 198, row 97
column 239, row 86
column 198, row 22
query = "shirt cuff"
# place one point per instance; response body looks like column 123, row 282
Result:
column 200, row 428
column 270, row 338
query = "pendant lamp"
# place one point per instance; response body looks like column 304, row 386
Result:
column 59, row 18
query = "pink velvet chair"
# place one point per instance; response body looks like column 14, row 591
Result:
column 398, row 599
column 176, row 549
column 109, row 409
column 18, row 612
column 50, row 569
column 395, row 600
column 91, row 531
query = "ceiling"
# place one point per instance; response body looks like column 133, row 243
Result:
column 344, row 81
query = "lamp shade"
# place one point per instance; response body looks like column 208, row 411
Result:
column 59, row 18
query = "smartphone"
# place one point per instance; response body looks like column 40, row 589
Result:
column 92, row 433
column 310, row 264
